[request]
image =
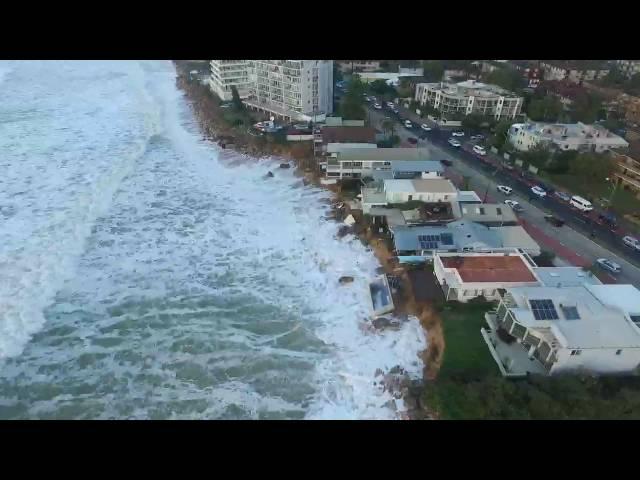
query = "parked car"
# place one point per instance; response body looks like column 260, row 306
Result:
column 377, row 106
column 538, row 191
column 479, row 150
column 609, row 265
column 631, row 242
column 408, row 124
column 504, row 189
column 446, row 163
column 412, row 140
column 555, row 221
column 458, row 133
column 515, row 205
column 425, row 127
column 390, row 104
column 562, row 196
column 454, row 143
column 477, row 137
column 608, row 218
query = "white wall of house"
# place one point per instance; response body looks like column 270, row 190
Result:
column 429, row 197
column 602, row 360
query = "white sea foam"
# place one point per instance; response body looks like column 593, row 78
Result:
column 173, row 284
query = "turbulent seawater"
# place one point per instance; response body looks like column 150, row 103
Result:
column 146, row 274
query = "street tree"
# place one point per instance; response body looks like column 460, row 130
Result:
column 433, row 70
column 235, row 99
column 546, row 109
column 591, row 168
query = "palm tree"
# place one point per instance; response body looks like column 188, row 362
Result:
column 389, row 127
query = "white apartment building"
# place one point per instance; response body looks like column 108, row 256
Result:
column 565, row 137
column 469, row 97
column 573, row 71
column 551, row 329
column 228, row 73
column 292, row 89
column 629, row 67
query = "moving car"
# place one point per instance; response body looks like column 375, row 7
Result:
column 504, row 189
column 631, row 242
column 425, row 127
column 458, row 133
column 477, row 137
column 555, row 221
column 390, row 104
column 446, row 163
column 377, row 106
column 408, row 124
column 581, row 203
column 515, row 205
column 562, row 195
column 538, row 192
column 454, row 143
column 609, row 265
column 479, row 150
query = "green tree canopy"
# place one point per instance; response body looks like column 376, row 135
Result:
column 352, row 106
column 500, row 135
column 381, row 87
column 433, row 70
column 507, row 78
column 545, row 109
column 591, row 168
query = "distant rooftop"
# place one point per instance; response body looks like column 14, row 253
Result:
column 565, row 276
column 470, row 88
column 439, row 185
column 348, row 135
column 490, row 268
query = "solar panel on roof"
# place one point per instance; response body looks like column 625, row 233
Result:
column 543, row 310
column 446, row 238
column 570, row 313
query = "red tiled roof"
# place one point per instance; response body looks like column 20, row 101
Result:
column 348, row 135
column 483, row 268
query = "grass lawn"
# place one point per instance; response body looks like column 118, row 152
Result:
column 465, row 351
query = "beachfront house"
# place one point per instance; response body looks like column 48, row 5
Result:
column 432, row 189
column 464, row 276
column 460, row 236
column 367, row 162
column 549, row 330
column 489, row 214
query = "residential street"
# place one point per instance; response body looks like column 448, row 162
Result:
column 573, row 246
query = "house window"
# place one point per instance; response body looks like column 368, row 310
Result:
column 576, row 352
column 481, row 211
column 618, row 352
column 499, row 211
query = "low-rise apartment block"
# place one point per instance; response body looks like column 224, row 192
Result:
column 469, row 97
column 627, row 175
column 565, row 137
column 349, row 66
column 628, row 67
column 575, row 71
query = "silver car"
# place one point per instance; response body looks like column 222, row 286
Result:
column 607, row 264
column 631, row 242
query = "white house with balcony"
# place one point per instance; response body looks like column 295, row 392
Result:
column 382, row 163
column 551, row 329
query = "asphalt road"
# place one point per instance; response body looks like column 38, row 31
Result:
column 573, row 242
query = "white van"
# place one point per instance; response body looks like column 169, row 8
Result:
column 581, row 204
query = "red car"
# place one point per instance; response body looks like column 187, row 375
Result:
column 412, row 140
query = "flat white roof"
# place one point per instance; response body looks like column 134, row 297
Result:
column 624, row 297
column 426, row 185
